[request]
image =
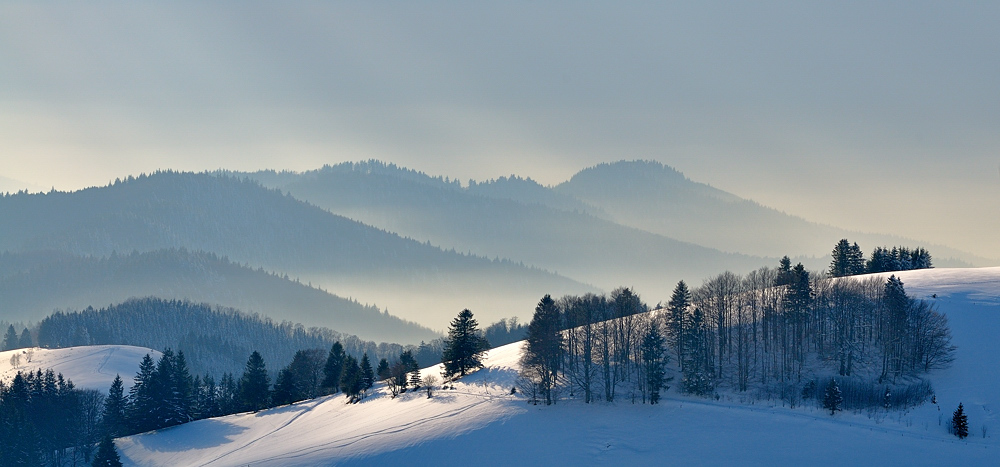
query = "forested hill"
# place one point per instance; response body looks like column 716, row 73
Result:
column 513, row 218
column 249, row 224
column 214, row 339
column 654, row 197
column 33, row 285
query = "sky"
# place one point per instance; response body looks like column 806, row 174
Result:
column 872, row 116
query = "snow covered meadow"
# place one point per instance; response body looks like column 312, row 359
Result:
column 89, row 367
column 481, row 420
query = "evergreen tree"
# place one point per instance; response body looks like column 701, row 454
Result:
column 334, row 368
column 254, row 384
column 832, row 399
column 107, row 455
column 960, row 422
column 784, row 276
column 367, row 373
column 182, row 400
column 697, row 379
column 10, row 339
column 285, row 389
column 208, row 403
column 544, row 350
column 841, row 264
column 142, row 399
column 382, row 371
column 654, row 362
column 855, row 260
column 677, row 308
column 25, row 342
column 351, row 381
column 113, row 416
column 464, row 348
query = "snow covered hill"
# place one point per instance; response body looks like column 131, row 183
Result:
column 89, row 367
column 480, row 422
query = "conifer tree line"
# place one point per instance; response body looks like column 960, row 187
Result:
column 771, row 329
column 13, row 341
column 849, row 260
column 45, row 420
column 217, row 339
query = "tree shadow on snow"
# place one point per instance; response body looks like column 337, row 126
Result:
column 209, row 433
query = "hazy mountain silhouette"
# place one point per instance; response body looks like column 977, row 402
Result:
column 654, row 197
column 508, row 223
column 250, row 224
column 33, row 285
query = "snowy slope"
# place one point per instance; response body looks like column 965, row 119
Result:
column 89, row 367
column 480, row 421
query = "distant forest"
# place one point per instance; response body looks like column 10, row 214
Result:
column 217, row 340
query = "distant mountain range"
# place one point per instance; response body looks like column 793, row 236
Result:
column 248, row 224
column 418, row 246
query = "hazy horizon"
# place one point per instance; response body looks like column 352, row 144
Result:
column 872, row 117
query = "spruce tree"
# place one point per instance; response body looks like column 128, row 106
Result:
column 544, row 350
column 677, row 308
column 464, row 348
column 350, row 380
column 10, row 339
column 25, row 342
column 367, row 373
column 107, row 455
column 960, row 422
column 142, row 398
column 113, row 416
column 254, row 384
column 841, row 265
column 333, row 369
column 832, row 399
column 697, row 379
column 285, row 390
column 382, row 371
column 654, row 360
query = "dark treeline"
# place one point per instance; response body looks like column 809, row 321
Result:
column 849, row 260
column 216, row 339
column 45, row 420
column 770, row 332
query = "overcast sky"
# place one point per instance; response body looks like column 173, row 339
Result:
column 871, row 116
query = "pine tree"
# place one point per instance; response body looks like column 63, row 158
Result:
column 351, row 380
column 142, row 398
column 25, row 342
column 654, row 360
column 855, row 260
column 832, row 399
column 382, row 371
column 544, row 350
column 464, row 348
column 367, row 374
column 285, row 390
column 841, row 264
column 697, row 379
column 107, row 455
column 113, row 416
column 182, row 402
column 784, row 276
column 960, row 422
column 677, row 308
column 333, row 369
column 10, row 339
column 254, row 384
